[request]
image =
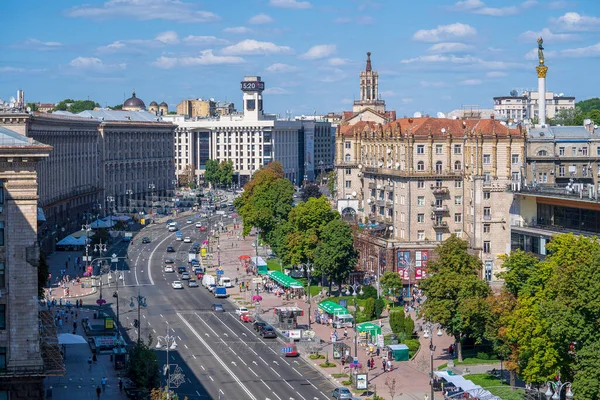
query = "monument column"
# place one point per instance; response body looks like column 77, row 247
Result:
column 541, row 73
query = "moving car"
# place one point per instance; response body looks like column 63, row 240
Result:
column 246, row 317
column 170, row 249
column 192, row 282
column 198, row 225
column 241, row 310
column 185, row 276
column 258, row 325
column 202, row 229
column 187, row 239
column 218, row 307
column 145, row 240
column 169, row 268
column 290, row 350
column 181, row 269
column 212, row 287
column 189, row 221
column 169, row 261
column 177, row 285
column 268, row 332
column 341, row 393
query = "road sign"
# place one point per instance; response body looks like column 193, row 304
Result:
column 100, row 302
column 220, row 272
column 114, row 258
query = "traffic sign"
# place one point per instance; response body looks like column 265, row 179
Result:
column 114, row 258
column 220, row 272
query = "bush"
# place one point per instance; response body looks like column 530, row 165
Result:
column 369, row 309
column 347, row 383
column 409, row 326
column 316, row 356
column 412, row 344
column 397, row 321
column 369, row 292
column 483, row 356
column 379, row 306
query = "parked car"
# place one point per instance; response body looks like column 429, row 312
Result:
column 169, row 268
column 268, row 332
column 218, row 307
column 145, row 240
column 246, row 317
column 185, row 276
column 170, row 249
column 241, row 310
column 192, row 283
column 258, row 325
column 177, row 285
column 341, row 393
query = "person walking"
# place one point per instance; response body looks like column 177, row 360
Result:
column 120, row 385
column 94, row 358
column 98, row 391
column 369, row 364
column 89, row 363
column 103, row 382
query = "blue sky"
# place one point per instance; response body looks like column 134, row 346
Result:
column 432, row 55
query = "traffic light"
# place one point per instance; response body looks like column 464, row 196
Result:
column 136, row 323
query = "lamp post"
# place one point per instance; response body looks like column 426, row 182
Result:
column 141, row 302
column 168, row 342
column 555, row 389
column 428, row 334
column 308, row 268
column 110, row 199
column 129, row 193
column 152, row 187
column 354, row 286
column 87, row 228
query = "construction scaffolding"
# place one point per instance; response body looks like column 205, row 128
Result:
column 51, row 352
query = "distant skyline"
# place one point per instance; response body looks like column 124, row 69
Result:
column 431, row 55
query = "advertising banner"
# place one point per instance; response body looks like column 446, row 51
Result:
column 403, row 264
column 421, row 259
column 418, row 273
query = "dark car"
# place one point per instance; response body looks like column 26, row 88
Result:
column 170, row 249
column 169, row 261
column 268, row 332
column 218, row 307
column 146, row 240
column 258, row 325
column 181, row 269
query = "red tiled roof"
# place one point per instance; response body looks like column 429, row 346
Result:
column 348, row 130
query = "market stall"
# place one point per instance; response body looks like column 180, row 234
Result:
column 398, row 352
column 368, row 332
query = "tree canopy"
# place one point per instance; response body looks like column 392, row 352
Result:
column 142, row 366
column 76, row 106
column 311, row 191
column 335, row 255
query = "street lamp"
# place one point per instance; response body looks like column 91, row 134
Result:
column 87, row 228
column 355, row 286
column 174, row 380
column 110, row 199
column 141, row 302
column 308, row 268
column 129, row 193
column 555, row 389
column 428, row 334
column 152, row 187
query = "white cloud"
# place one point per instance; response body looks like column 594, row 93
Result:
column 319, row 51
column 144, row 10
column 388, row 93
column 432, row 83
column 168, row 37
column 336, row 61
column 290, row 4
column 496, row 74
column 206, row 57
column 137, row 45
column 406, row 100
column 275, row 91
column 479, row 7
column 468, row 61
column 342, row 20
column 254, row 47
column 450, row 47
column 548, row 35
column 11, row 69
column 281, row 68
column 260, row 19
column 204, row 40
column 364, row 20
column 471, row 82
column 573, row 21
column 533, row 54
column 238, row 29
column 95, row 64
column 36, row 44
column 555, row 5
column 589, row 51
column 445, row 32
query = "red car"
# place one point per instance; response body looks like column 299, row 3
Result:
column 200, row 275
column 246, row 318
column 202, row 229
column 290, row 351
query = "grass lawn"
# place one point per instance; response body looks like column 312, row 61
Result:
column 470, row 361
column 492, row 384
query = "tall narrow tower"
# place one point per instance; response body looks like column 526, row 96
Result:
column 541, row 73
column 369, row 90
column 252, row 86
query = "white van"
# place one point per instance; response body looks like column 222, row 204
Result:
column 225, row 281
column 208, row 280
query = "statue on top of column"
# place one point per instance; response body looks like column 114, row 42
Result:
column 541, row 50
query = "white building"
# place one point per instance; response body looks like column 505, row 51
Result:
column 252, row 139
column 525, row 105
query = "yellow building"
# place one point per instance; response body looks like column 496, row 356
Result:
column 197, row 108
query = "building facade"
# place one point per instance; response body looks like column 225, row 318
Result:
column 22, row 367
column 417, row 181
column 521, row 107
column 197, row 108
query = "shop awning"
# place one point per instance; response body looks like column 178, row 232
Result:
column 369, row 328
column 284, row 280
column 333, row 308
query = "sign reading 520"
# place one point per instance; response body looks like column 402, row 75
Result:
column 252, row 86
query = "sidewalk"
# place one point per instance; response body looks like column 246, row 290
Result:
column 412, row 377
column 64, row 261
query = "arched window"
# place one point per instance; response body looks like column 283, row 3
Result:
column 347, row 158
column 542, row 153
column 457, row 166
column 420, row 166
column 438, row 167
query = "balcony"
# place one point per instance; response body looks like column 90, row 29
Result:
column 380, row 203
column 439, row 208
column 487, row 217
column 372, row 185
column 440, row 224
column 389, row 203
column 440, row 190
column 389, row 220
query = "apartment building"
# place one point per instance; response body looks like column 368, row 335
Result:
column 519, row 107
column 197, row 108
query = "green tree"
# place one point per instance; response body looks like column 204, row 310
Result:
column 397, row 321
column 33, row 106
column 588, row 105
column 368, row 292
column 379, row 306
column 225, row 172
column 311, row 191
column 117, row 107
column 142, row 366
column 211, row 172
column 391, row 282
column 335, row 255
column 331, row 182
column 369, row 309
column 43, row 273
column 409, row 327
column 455, row 293
column 521, row 272
column 76, row 106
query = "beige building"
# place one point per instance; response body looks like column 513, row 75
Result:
column 416, row 181
column 197, row 108
column 224, row 108
column 526, row 105
column 23, row 354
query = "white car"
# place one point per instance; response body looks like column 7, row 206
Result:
column 198, row 225
column 169, row 268
column 189, row 221
column 187, row 239
column 241, row 310
column 177, row 285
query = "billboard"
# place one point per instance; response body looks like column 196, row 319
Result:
column 421, row 259
column 309, row 152
column 404, row 264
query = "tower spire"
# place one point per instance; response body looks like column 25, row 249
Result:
column 368, row 69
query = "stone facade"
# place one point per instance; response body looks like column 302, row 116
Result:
column 420, row 180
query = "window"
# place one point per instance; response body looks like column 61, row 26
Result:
column 458, row 233
column 348, row 171
column 420, row 166
column 347, row 145
column 457, row 149
column 543, row 177
column 486, row 195
column 561, row 151
column 458, row 200
column 421, row 184
column 438, row 184
column 439, row 149
column 421, row 200
column 458, row 217
column 561, row 170
column 439, row 236
column 420, row 149
column 2, row 276
column 514, row 159
column 486, row 246
column 347, row 157
column 573, row 151
column 598, row 150
column 487, row 213
column 584, row 151
column 420, row 235
column 545, row 153
column 3, row 395
column 457, row 166
column 420, row 218
column 2, row 316
column 1, row 192
column 1, row 233
column 438, row 167
column 487, row 228
column 487, row 177
column 458, row 184
column 348, row 184
column 487, row 159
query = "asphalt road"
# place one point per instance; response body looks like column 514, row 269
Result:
column 220, row 356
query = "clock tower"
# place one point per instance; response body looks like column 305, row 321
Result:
column 252, row 87
column 369, row 90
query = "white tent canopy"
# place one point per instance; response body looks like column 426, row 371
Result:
column 467, row 386
column 99, row 224
column 69, row 338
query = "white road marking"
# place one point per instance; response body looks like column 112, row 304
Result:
column 276, row 372
column 298, row 372
column 202, row 366
column 251, row 370
column 265, row 384
column 211, row 378
column 185, row 345
column 242, row 360
column 193, row 355
column 287, row 383
column 300, row 395
column 150, row 259
column 263, row 360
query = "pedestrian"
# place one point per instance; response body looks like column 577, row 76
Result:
column 94, row 358
column 90, row 363
column 74, row 326
column 369, row 364
column 345, row 333
column 98, row 391
column 104, row 381
column 384, row 364
column 60, row 323
column 120, row 385
column 377, row 352
column 372, row 363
